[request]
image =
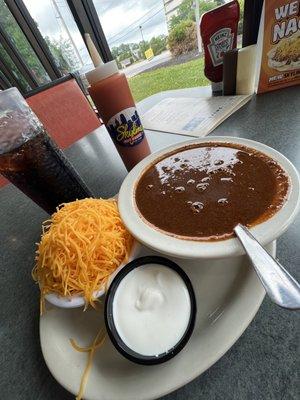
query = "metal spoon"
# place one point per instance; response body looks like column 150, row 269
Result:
column 282, row 288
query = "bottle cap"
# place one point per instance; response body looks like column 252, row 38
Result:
column 101, row 70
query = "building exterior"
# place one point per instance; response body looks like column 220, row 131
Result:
column 171, row 7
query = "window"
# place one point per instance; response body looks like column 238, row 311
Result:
column 40, row 42
column 11, row 72
column 15, row 34
column 58, row 28
column 4, row 82
column 155, row 41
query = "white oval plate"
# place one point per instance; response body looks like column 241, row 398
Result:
column 228, row 295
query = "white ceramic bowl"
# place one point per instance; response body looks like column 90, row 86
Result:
column 265, row 232
column 78, row 300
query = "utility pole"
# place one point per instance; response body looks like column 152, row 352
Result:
column 165, row 11
column 141, row 29
column 67, row 31
column 197, row 18
column 142, row 48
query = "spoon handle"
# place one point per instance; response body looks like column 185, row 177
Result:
column 282, row 288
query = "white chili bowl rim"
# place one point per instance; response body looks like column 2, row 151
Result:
column 265, row 232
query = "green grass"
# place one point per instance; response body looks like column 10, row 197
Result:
column 189, row 74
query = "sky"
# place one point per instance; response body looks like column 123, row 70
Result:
column 120, row 20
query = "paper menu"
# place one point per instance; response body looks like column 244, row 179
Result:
column 192, row 116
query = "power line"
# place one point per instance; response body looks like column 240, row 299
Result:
column 133, row 23
column 137, row 27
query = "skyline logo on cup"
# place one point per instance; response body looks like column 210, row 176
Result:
column 125, row 128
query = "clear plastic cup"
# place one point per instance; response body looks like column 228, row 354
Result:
column 31, row 160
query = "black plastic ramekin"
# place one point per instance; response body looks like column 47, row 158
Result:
column 109, row 320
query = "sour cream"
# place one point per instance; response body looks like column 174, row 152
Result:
column 151, row 309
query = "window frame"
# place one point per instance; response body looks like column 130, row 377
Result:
column 17, row 59
column 6, row 71
column 34, row 37
column 86, row 18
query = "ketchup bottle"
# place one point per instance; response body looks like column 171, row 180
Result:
column 218, row 29
column 112, row 96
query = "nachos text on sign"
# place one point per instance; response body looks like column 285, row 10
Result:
column 287, row 15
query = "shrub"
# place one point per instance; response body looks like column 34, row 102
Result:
column 183, row 38
column 158, row 44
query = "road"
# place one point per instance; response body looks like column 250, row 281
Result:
column 137, row 68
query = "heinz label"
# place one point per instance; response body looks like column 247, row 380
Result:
column 125, row 128
column 280, row 62
column 220, row 42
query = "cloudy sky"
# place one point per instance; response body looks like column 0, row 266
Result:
column 120, row 20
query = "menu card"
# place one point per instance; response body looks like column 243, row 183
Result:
column 279, row 45
column 192, row 116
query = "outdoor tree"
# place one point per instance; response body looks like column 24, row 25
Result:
column 63, row 53
column 187, row 12
column 158, row 44
column 240, row 26
column 125, row 50
column 19, row 40
column 125, row 55
column 13, row 70
column 182, row 38
column 134, row 46
column 143, row 46
column 61, row 49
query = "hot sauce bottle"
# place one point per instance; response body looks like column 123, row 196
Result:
column 112, row 96
column 218, row 29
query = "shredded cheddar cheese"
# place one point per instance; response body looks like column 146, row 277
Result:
column 81, row 245
column 288, row 49
column 98, row 342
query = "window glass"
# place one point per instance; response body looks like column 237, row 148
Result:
column 155, row 41
column 57, row 26
column 4, row 79
column 15, row 33
column 14, row 70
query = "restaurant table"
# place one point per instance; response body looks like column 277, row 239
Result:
column 262, row 364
